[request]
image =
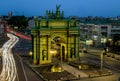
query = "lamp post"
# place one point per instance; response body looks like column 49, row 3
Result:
column 101, row 60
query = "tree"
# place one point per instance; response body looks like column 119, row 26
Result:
column 19, row 21
column 116, row 45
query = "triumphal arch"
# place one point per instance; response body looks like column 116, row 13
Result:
column 55, row 36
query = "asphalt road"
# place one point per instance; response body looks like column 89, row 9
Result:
column 25, row 73
column 109, row 63
column 9, row 72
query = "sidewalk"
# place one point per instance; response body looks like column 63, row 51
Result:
column 74, row 71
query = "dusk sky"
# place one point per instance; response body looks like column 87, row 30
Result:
column 80, row 8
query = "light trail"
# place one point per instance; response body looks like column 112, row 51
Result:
column 9, row 72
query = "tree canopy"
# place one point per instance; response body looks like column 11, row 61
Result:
column 19, row 21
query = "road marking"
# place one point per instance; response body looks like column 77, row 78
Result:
column 23, row 70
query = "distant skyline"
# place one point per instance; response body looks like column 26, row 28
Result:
column 81, row 8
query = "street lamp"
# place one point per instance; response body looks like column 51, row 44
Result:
column 30, row 53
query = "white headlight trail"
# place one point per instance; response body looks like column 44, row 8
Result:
column 9, row 71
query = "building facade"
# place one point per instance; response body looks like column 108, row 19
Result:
column 3, row 26
column 115, row 29
column 104, row 33
column 31, row 24
column 99, row 33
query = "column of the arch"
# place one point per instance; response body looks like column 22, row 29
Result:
column 68, row 41
column 34, row 49
column 77, row 46
column 40, row 57
column 49, row 48
column 37, row 48
column 74, row 45
column 68, row 51
column 66, row 45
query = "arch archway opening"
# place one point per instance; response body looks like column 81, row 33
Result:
column 57, row 48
